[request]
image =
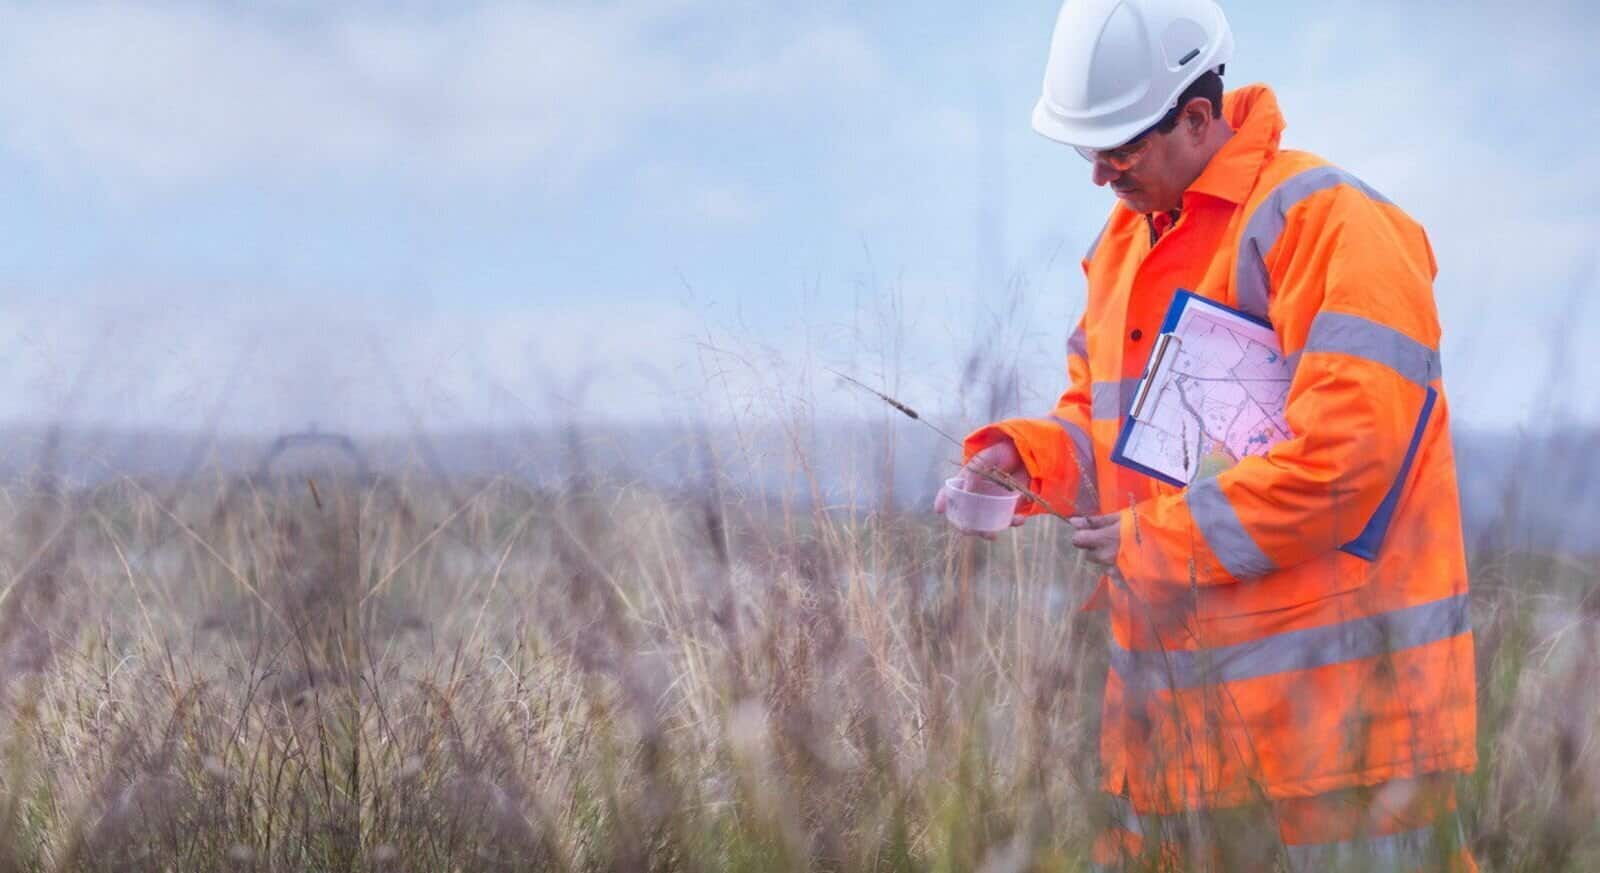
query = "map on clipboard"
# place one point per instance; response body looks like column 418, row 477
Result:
column 1213, row 393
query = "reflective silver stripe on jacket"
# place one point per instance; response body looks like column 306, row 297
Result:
column 1219, row 523
column 1294, row 650
column 1423, row 848
column 1363, row 338
column 1083, row 452
column 1078, row 343
column 1266, row 224
column 1427, row 848
column 1111, row 399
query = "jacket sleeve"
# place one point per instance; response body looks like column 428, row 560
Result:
column 1353, row 305
column 1055, row 448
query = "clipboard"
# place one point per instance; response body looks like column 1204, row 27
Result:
column 1157, row 377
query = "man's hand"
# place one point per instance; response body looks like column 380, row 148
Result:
column 1098, row 536
column 1001, row 457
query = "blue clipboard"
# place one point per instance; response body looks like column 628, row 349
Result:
column 1369, row 542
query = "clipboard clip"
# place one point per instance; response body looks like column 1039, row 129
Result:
column 1164, row 343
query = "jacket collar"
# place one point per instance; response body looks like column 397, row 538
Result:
column 1252, row 112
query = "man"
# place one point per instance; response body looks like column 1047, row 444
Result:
column 1254, row 664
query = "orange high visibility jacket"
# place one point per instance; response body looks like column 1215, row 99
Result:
column 1250, row 657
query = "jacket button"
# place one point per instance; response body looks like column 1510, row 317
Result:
column 1136, row 335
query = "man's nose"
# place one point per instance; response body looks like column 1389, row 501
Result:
column 1104, row 172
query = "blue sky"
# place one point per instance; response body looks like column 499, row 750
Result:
column 372, row 215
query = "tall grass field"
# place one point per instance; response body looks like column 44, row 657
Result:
column 410, row 672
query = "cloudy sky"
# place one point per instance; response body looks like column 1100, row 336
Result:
column 451, row 214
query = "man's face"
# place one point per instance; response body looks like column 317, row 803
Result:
column 1154, row 178
column 1151, row 173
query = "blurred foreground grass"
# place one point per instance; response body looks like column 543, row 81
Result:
column 408, row 674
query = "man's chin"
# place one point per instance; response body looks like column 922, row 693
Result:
column 1134, row 199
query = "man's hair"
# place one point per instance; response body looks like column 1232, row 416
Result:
column 1209, row 86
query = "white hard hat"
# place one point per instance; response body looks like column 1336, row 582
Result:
column 1117, row 66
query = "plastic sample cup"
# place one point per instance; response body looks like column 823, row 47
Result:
column 986, row 509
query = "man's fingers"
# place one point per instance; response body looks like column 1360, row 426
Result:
column 979, row 469
column 1017, row 520
column 939, row 502
column 1097, row 551
column 1000, row 458
column 1095, row 538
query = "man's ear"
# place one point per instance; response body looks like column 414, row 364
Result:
column 1197, row 115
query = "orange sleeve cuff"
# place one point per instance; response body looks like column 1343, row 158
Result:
column 1052, row 472
column 988, row 435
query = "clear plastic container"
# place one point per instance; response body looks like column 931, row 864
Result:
column 985, row 509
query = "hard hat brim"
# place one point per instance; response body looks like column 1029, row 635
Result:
column 1087, row 136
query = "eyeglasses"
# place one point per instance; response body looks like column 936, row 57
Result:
column 1122, row 158
column 1126, row 156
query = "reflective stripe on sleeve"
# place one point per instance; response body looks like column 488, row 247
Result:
column 1078, row 343
column 1219, row 523
column 1363, row 338
column 1294, row 650
column 1420, row 849
column 1083, row 450
column 1111, row 399
column 1266, row 224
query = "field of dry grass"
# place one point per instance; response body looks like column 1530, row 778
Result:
column 412, row 674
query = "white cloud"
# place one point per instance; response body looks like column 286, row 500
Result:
column 166, row 93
